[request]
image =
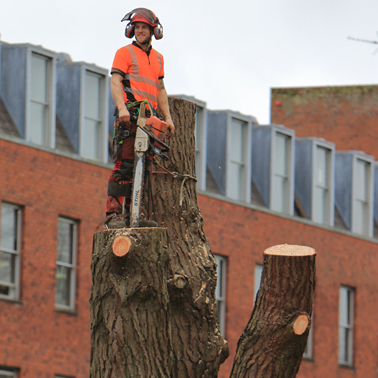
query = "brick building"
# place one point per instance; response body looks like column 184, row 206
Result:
column 258, row 186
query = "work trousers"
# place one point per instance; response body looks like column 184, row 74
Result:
column 122, row 173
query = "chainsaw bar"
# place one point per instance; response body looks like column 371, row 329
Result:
column 137, row 192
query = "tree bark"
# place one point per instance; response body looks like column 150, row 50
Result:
column 131, row 294
column 198, row 346
column 275, row 337
column 129, row 304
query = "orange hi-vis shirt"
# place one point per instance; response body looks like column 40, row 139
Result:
column 141, row 72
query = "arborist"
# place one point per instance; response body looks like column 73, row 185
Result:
column 137, row 74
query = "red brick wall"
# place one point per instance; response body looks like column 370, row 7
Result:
column 43, row 341
column 346, row 116
column 242, row 234
column 33, row 335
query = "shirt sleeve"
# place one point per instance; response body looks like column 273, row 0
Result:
column 121, row 62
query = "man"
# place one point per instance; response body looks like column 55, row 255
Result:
column 137, row 74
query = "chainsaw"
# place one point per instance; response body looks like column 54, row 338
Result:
column 148, row 142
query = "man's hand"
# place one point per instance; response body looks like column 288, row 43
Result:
column 171, row 127
column 124, row 116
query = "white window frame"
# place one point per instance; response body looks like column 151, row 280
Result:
column 257, row 279
column 71, row 266
column 16, row 253
column 220, row 292
column 369, row 193
column 289, row 185
column 246, row 162
column 348, row 361
column 104, row 111
column 330, row 188
column 308, row 352
column 51, row 97
column 200, row 133
column 8, row 373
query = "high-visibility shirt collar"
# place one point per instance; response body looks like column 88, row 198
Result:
column 135, row 43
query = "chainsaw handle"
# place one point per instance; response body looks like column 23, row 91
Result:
column 163, row 146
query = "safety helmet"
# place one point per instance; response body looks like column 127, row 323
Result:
column 146, row 16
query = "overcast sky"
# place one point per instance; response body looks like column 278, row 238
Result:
column 225, row 53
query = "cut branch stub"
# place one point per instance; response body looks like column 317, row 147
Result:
column 121, row 245
column 300, row 325
column 275, row 338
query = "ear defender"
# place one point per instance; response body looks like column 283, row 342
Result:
column 130, row 30
column 158, row 31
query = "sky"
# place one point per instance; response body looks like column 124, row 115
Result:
column 228, row 54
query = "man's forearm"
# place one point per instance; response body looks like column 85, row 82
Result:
column 164, row 107
column 117, row 94
column 163, row 103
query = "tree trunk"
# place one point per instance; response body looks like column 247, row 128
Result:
column 275, row 338
column 153, row 316
column 198, row 346
column 129, row 304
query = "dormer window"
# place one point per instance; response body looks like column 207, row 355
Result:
column 362, row 209
column 229, row 138
column 282, row 172
column 92, row 116
column 82, row 108
column 28, row 91
column 38, row 99
column 280, row 184
column 40, row 128
column 354, row 191
column 237, row 158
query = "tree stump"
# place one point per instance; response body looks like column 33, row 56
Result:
column 130, row 320
column 186, row 341
column 275, row 337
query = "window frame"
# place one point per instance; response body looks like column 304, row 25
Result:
column 246, row 163
column 308, row 353
column 8, row 373
column 289, row 185
column 49, row 139
column 72, row 266
column 221, row 265
column 200, row 132
column 330, row 188
column 16, row 253
column 369, row 193
column 104, row 112
column 257, row 279
column 349, row 326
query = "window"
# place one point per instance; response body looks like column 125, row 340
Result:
column 239, row 153
column 308, row 351
column 196, row 132
column 258, row 273
column 322, row 197
column 200, row 144
column 281, row 173
column 92, row 116
column 66, row 264
column 361, row 211
column 7, row 374
column 346, row 304
column 235, row 175
column 10, row 251
column 220, row 291
column 40, row 113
